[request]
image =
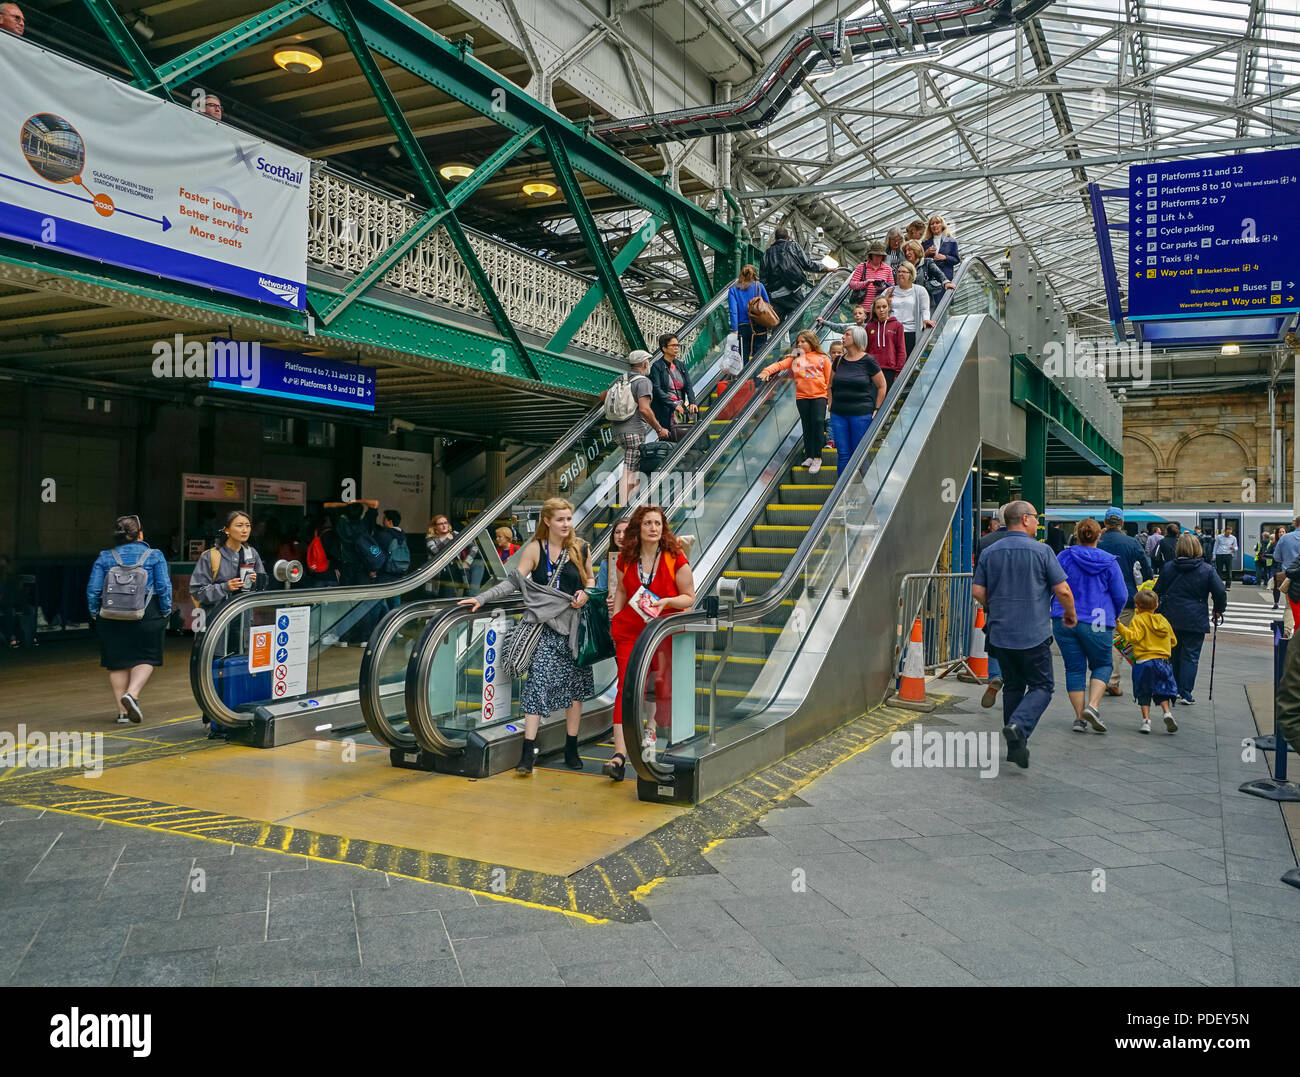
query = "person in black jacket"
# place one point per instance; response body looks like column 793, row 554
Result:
column 1165, row 552
column 784, row 272
column 671, row 385
column 1184, row 586
column 1131, row 557
column 1055, row 538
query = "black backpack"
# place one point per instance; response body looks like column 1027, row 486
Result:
column 127, row 590
column 397, row 562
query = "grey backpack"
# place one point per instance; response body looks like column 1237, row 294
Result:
column 126, row 590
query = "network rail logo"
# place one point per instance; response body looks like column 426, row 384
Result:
column 213, row 360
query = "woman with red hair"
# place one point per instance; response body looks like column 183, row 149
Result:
column 653, row 578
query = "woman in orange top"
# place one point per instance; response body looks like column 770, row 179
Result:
column 812, row 372
column 652, row 559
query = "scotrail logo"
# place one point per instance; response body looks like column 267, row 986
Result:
column 280, row 289
column 215, row 360
column 950, row 748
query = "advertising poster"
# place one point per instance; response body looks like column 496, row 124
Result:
column 97, row 169
column 399, row 480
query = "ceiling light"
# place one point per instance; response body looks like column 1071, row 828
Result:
column 1230, row 349
column 393, row 151
column 539, row 189
column 298, row 59
column 915, row 56
column 455, row 172
column 993, row 474
column 141, row 26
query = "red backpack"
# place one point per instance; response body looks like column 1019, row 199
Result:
column 316, row 559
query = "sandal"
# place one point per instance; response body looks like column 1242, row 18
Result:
column 615, row 770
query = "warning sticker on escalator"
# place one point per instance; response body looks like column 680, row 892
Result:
column 292, row 643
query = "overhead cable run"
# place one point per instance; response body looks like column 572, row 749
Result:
column 842, row 41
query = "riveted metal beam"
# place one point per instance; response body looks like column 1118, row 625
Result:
column 128, row 48
column 403, row 39
column 605, row 272
column 431, row 219
column 357, row 42
column 225, row 45
column 691, row 255
column 591, row 300
column 1039, row 395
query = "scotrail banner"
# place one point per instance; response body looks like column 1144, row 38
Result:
column 94, row 168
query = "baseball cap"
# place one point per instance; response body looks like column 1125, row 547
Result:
column 637, row 357
column 1113, row 513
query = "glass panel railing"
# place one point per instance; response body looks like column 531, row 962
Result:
column 343, row 618
column 719, row 464
column 737, row 672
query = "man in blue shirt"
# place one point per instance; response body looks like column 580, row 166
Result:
column 998, row 533
column 1132, row 558
column 1014, row 582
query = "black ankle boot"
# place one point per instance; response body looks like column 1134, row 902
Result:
column 526, row 757
column 571, row 758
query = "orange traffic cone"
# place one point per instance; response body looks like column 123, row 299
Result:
column 979, row 655
column 911, row 689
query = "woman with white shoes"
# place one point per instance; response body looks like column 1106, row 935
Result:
column 811, row 369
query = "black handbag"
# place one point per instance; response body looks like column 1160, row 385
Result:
column 595, row 640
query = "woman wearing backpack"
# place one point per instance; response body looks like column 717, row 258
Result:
column 130, row 599
column 747, row 288
column 552, row 568
column 228, row 569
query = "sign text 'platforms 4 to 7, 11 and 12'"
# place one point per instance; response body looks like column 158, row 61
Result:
column 1214, row 236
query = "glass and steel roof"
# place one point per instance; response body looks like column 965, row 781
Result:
column 1081, row 80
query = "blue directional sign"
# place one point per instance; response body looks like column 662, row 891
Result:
column 251, row 368
column 1214, row 237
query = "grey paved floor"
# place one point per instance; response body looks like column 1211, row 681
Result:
column 878, row 876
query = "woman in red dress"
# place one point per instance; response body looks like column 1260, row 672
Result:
column 650, row 559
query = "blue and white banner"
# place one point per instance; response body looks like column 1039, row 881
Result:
column 94, row 168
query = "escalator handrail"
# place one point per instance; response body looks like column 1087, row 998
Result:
column 420, row 663
column 755, row 609
column 205, row 646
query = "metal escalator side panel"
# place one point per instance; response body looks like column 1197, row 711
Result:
column 844, row 663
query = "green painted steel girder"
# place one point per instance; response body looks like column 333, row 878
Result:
column 398, row 249
column 691, row 255
column 225, row 45
column 590, row 233
column 591, row 299
column 407, row 42
column 124, row 41
column 1036, row 392
column 375, row 324
column 357, row 42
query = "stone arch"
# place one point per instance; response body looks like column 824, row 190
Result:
column 1210, row 465
column 1142, row 463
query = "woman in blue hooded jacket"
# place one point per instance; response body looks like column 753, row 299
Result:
column 1100, row 595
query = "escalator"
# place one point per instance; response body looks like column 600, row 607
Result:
column 453, row 716
column 584, row 467
column 800, row 636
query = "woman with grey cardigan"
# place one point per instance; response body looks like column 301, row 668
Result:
column 551, row 575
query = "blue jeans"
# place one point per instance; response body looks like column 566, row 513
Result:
column 847, row 431
column 1027, row 684
column 1083, row 647
column 1185, row 657
column 995, row 670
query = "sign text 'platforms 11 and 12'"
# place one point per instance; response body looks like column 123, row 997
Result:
column 97, row 169
column 1214, row 236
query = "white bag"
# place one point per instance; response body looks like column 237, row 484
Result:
column 731, row 361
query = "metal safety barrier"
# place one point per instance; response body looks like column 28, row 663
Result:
column 943, row 602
